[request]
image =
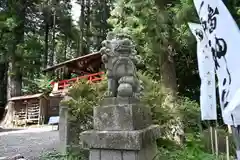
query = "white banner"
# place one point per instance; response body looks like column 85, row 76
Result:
column 206, row 73
column 224, row 37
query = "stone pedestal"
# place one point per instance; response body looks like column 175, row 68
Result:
column 68, row 132
column 63, row 116
column 123, row 130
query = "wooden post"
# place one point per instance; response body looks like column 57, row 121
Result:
column 216, row 138
column 236, row 136
column 40, row 110
column 227, row 148
column 44, row 109
column 13, row 113
column 211, row 136
column 26, row 114
column 227, row 143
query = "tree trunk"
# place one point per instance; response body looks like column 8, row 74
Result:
column 65, row 48
column 14, row 85
column 81, row 40
column 168, row 74
column 15, row 79
column 169, row 84
column 14, row 71
column 45, row 62
column 52, row 53
column 105, row 16
column 54, row 56
column 87, row 22
column 78, row 46
column 2, row 84
column 8, row 119
column 3, row 88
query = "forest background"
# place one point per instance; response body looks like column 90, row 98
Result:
column 35, row 34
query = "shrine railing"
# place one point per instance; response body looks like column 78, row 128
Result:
column 63, row 84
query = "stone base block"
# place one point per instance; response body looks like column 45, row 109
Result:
column 121, row 140
column 121, row 114
column 63, row 114
column 68, row 132
column 65, row 149
column 147, row 153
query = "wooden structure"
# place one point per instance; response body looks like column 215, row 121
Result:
column 84, row 67
column 29, row 109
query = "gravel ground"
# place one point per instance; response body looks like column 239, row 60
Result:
column 31, row 143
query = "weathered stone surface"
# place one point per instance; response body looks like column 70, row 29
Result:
column 68, row 132
column 63, row 115
column 147, row 153
column 95, row 154
column 118, row 101
column 121, row 114
column 123, row 140
column 129, row 155
column 111, row 155
column 119, row 56
column 122, row 125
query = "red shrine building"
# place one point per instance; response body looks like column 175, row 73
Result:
column 85, row 67
column 38, row 108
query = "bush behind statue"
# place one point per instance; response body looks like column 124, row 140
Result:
column 85, row 96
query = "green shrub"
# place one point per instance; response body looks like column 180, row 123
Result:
column 40, row 84
column 188, row 153
column 85, row 96
column 58, row 156
column 190, row 114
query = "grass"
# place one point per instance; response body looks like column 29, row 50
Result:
column 57, row 156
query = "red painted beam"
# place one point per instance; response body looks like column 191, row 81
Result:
column 90, row 77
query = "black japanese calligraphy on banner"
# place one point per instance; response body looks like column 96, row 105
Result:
column 223, row 32
column 206, row 73
column 199, row 34
column 218, row 47
column 209, row 24
column 212, row 18
column 219, row 51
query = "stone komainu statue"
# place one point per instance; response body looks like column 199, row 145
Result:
column 119, row 56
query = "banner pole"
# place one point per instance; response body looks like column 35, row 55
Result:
column 236, row 137
column 227, row 142
column 211, row 137
column 216, row 138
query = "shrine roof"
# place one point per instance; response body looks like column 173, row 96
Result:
column 38, row 95
column 87, row 59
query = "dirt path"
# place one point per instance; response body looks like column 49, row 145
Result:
column 31, row 143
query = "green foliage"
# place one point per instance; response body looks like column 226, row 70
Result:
column 193, row 149
column 160, row 30
column 190, row 114
column 187, row 109
column 39, row 33
column 38, row 85
column 71, row 156
column 84, row 96
column 189, row 153
column 30, row 39
column 153, row 97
